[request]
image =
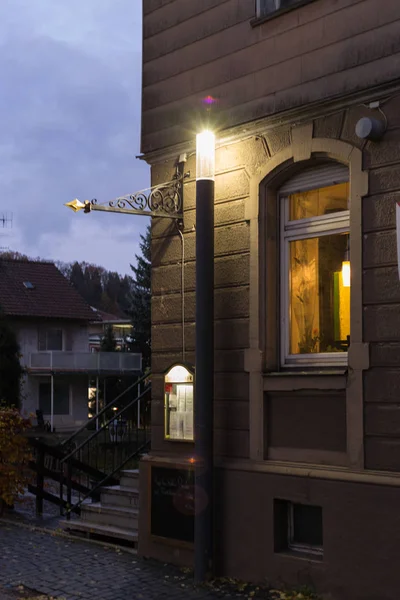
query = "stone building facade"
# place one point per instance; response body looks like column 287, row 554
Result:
column 307, row 442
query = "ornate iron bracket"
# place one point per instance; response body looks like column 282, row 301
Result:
column 162, row 200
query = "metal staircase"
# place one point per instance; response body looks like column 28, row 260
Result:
column 96, row 470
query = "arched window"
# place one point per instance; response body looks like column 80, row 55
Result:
column 315, row 267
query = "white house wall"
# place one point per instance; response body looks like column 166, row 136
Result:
column 75, row 339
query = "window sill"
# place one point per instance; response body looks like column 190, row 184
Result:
column 317, row 372
column 268, row 17
column 308, row 556
column 286, row 381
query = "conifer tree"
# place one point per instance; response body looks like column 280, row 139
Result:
column 140, row 310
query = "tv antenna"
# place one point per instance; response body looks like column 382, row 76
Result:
column 6, row 221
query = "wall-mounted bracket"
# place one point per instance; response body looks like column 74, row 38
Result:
column 162, row 200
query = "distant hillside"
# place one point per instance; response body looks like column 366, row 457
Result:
column 102, row 289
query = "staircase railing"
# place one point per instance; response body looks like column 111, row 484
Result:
column 110, row 405
column 117, row 443
column 46, row 465
column 81, row 466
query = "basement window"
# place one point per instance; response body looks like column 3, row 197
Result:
column 298, row 529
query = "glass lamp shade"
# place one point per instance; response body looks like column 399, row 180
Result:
column 205, row 155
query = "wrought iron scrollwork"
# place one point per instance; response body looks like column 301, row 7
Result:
column 163, row 200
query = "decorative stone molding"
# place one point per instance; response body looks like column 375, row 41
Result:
column 302, row 148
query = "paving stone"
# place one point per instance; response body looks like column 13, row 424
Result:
column 78, row 570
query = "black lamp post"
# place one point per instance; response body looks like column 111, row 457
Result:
column 204, row 381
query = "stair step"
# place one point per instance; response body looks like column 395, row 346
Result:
column 115, row 516
column 118, row 495
column 130, row 478
column 102, row 531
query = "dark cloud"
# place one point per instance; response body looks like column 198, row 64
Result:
column 70, row 122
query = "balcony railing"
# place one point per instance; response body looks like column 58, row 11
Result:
column 85, row 362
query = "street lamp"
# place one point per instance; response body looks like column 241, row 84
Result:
column 204, row 381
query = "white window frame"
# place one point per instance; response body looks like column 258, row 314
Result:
column 46, row 331
column 335, row 223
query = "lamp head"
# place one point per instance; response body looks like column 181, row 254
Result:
column 205, row 155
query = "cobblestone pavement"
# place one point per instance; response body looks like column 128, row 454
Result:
column 25, row 512
column 78, row 570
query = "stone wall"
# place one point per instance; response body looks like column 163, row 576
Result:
column 238, row 165
column 318, row 51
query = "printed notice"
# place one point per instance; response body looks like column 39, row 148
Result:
column 188, row 426
column 189, row 398
column 172, row 400
column 181, row 389
column 173, row 426
column 181, row 421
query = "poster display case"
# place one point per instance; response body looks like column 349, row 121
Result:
column 179, row 403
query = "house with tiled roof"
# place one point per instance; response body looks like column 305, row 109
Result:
column 121, row 328
column 52, row 322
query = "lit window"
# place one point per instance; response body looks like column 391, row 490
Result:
column 315, row 269
column 267, row 7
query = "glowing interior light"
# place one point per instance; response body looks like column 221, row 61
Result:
column 346, row 273
column 178, row 374
column 205, row 155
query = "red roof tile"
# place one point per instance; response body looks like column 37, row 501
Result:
column 108, row 317
column 52, row 295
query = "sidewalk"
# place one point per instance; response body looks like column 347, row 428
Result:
column 74, row 569
column 35, row 553
column 21, row 593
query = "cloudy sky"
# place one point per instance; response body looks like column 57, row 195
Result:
column 69, row 126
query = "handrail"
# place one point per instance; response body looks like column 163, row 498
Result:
column 91, row 475
column 105, row 409
column 55, row 452
column 69, row 461
column 114, row 418
column 101, row 483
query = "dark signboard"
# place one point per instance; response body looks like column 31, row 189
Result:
column 172, row 503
